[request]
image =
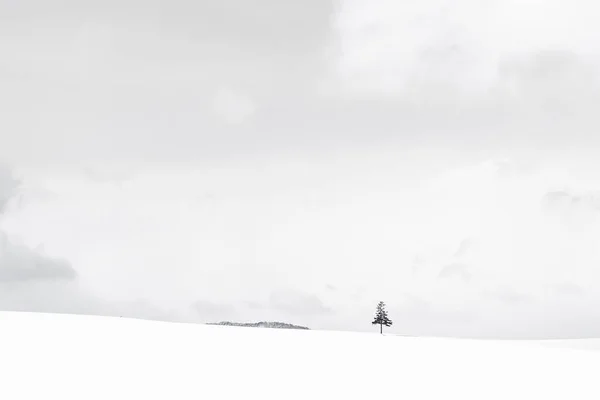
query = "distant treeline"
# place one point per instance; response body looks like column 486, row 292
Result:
column 272, row 325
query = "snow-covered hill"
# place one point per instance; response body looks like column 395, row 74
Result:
column 81, row 357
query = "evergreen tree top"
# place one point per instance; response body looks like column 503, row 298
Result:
column 381, row 316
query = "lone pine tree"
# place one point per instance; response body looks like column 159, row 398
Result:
column 381, row 317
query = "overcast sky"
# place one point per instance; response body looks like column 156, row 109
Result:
column 302, row 160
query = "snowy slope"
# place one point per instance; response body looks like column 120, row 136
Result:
column 78, row 357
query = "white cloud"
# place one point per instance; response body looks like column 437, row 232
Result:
column 387, row 46
column 233, row 106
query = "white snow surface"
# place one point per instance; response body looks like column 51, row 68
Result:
column 67, row 357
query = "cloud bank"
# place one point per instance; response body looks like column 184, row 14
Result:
column 437, row 155
column 32, row 281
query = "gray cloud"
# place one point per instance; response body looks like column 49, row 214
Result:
column 31, row 281
column 419, row 316
column 19, row 263
column 501, row 312
column 209, row 311
column 102, row 176
column 140, row 82
column 458, row 270
column 508, row 296
column 417, row 265
column 564, row 199
column 121, row 81
column 463, row 248
column 297, row 303
column 70, row 298
column 552, row 81
column 8, row 187
column 568, row 290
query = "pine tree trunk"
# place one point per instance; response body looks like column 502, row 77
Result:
column 381, row 329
